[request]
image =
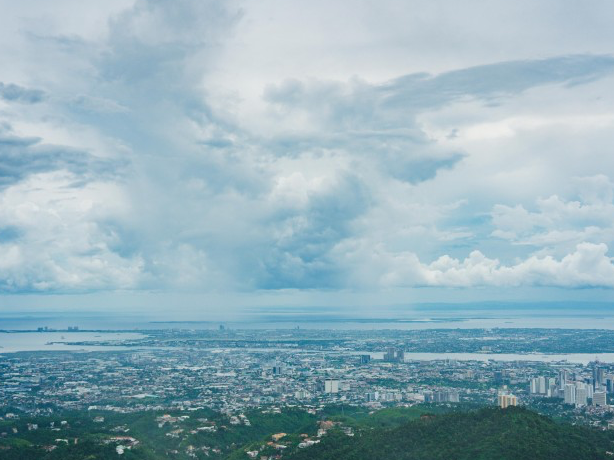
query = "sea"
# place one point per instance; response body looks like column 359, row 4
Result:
column 19, row 331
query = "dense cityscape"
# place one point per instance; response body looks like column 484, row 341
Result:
column 233, row 371
column 192, row 393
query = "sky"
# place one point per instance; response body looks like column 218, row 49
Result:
column 205, row 154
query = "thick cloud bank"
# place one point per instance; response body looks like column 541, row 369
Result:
column 138, row 152
column 587, row 266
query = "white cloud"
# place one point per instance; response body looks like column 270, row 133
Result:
column 63, row 240
column 588, row 266
column 558, row 225
column 124, row 163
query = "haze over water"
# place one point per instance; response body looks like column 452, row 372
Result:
column 423, row 316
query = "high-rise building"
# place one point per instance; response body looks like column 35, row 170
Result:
column 539, row 385
column 278, row 369
column 441, row 396
column 389, row 356
column 533, row 386
column 505, row 401
column 331, row 386
column 581, row 397
column 570, row 393
column 598, row 377
column 401, row 355
column 365, row 359
column 587, row 386
column 599, row 398
column 563, row 378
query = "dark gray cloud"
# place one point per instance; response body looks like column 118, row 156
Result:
column 15, row 93
column 425, row 91
column 299, row 254
column 379, row 121
column 23, row 156
column 361, row 104
column 9, row 233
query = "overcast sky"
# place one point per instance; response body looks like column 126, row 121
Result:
column 215, row 153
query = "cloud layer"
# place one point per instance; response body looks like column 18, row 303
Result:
column 128, row 163
column 587, row 266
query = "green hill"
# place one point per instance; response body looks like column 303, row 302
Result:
column 486, row 434
column 418, row 433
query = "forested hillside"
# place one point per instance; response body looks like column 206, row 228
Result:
column 334, row 433
column 486, row 434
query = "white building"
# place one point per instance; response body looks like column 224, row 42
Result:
column 570, row 393
column 505, row 401
column 533, row 386
column 581, row 397
column 599, row 398
column 331, row 386
column 539, row 385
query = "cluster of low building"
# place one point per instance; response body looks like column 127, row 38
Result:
column 359, row 370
